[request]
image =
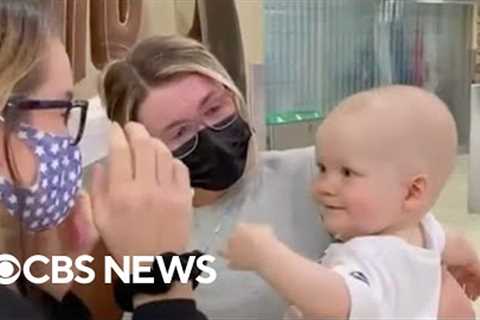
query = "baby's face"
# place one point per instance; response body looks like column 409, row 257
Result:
column 361, row 191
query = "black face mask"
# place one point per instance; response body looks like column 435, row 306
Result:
column 219, row 158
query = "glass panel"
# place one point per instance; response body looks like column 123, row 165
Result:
column 320, row 51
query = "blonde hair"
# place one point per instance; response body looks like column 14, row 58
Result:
column 24, row 30
column 125, row 83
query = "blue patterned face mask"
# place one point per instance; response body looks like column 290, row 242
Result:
column 48, row 201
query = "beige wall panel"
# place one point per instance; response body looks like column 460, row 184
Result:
column 176, row 16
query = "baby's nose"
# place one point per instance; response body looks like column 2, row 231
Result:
column 323, row 187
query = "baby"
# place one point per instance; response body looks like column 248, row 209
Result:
column 384, row 156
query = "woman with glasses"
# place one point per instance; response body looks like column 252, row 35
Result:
column 43, row 208
column 184, row 96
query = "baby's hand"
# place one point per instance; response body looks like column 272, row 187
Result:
column 246, row 246
column 468, row 276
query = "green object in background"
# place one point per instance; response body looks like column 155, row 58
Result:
column 292, row 117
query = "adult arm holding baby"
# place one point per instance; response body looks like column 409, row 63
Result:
column 463, row 262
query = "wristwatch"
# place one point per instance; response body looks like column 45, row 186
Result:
column 124, row 292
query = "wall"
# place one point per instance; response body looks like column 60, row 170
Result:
column 175, row 17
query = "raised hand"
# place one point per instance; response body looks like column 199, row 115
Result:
column 142, row 201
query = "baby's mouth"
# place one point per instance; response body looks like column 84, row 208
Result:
column 332, row 207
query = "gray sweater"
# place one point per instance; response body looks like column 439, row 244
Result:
column 277, row 194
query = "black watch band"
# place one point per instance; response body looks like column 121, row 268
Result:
column 124, row 292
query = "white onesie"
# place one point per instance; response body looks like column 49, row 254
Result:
column 387, row 278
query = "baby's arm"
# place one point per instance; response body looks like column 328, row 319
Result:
column 314, row 289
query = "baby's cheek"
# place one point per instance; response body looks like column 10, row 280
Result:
column 363, row 206
column 316, row 192
column 358, row 199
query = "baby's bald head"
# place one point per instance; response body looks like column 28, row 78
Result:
column 404, row 125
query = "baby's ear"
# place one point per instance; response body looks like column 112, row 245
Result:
column 416, row 194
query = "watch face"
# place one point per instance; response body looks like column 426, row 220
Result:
column 124, row 292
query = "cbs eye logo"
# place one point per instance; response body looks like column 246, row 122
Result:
column 7, row 269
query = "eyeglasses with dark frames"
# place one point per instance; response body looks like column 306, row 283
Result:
column 70, row 107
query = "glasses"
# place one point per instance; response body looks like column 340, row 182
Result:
column 181, row 137
column 62, row 117
column 191, row 144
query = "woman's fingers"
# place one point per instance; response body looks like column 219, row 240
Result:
column 78, row 231
column 135, row 155
column 98, row 194
column 143, row 153
column 83, row 202
column 120, row 158
column 89, row 236
column 163, row 163
column 161, row 193
column 181, row 177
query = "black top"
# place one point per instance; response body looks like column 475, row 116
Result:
column 184, row 309
column 13, row 306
